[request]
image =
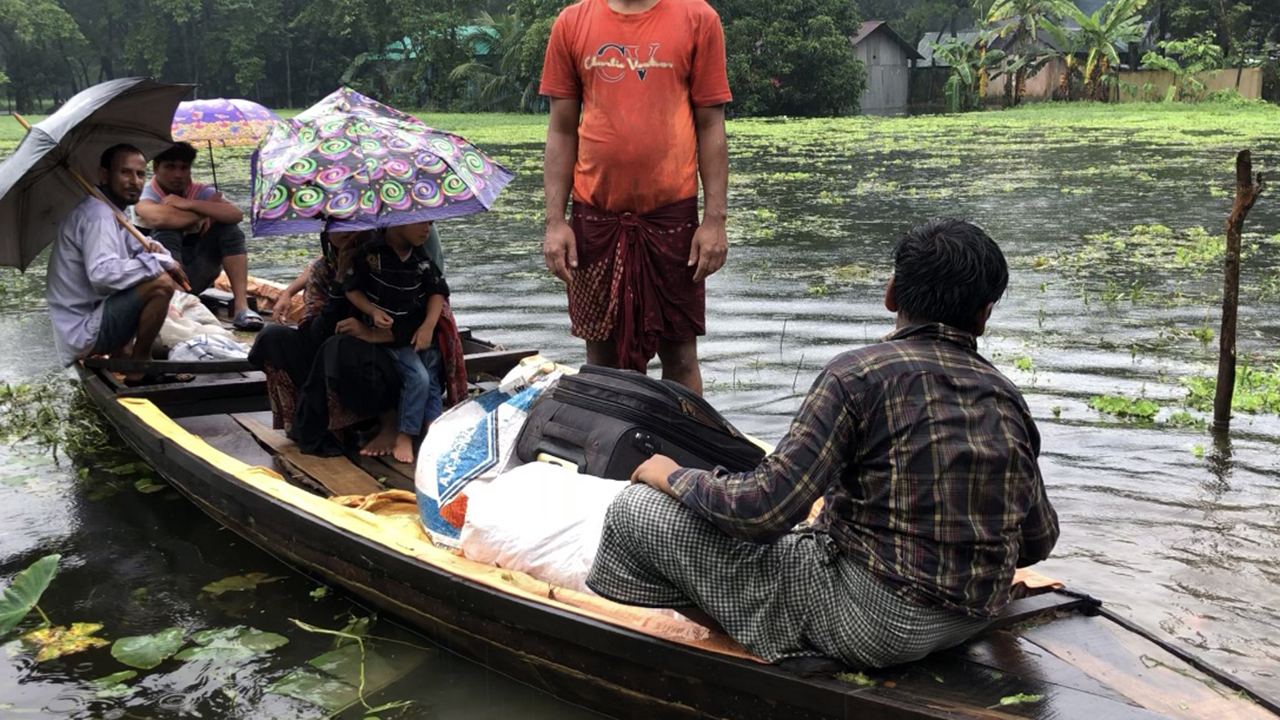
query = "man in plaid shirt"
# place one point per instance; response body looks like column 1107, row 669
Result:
column 925, row 457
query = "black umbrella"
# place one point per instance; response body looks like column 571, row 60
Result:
column 45, row 177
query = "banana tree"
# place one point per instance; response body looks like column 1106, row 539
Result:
column 1024, row 20
column 1115, row 25
column 972, row 64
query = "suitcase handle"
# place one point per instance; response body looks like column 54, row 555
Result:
column 553, row 429
column 548, row 450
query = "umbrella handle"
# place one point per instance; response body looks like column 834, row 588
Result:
column 84, row 184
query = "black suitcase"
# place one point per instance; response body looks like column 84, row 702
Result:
column 606, row 422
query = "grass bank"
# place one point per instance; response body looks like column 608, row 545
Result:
column 1159, row 123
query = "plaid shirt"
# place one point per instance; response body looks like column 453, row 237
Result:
column 925, row 456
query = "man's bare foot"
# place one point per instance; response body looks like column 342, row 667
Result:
column 404, row 448
column 384, row 443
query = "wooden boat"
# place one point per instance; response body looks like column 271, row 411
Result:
column 1055, row 654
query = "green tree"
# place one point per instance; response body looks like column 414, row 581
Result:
column 1023, row 20
column 971, row 66
column 38, row 41
column 792, row 57
column 1186, row 58
column 497, row 71
column 1239, row 28
column 1112, row 27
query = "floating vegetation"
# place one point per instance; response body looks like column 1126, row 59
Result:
column 148, row 651
column 1184, row 419
column 112, row 686
column 1125, row 408
column 53, row 642
column 1150, row 247
column 237, row 583
column 1257, row 390
column 234, row 644
column 54, row 413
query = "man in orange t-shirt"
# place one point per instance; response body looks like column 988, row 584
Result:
column 637, row 90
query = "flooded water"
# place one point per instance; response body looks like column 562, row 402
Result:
column 1114, row 292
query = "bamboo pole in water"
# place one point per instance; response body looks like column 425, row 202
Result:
column 1247, row 192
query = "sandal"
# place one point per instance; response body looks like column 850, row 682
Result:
column 159, row 379
column 248, row 321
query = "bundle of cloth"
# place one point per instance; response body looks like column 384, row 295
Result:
column 193, row 332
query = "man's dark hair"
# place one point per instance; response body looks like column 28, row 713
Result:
column 946, row 271
column 109, row 155
column 183, row 152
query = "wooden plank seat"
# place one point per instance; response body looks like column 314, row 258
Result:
column 336, row 475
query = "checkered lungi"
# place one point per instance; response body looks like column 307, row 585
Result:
column 795, row 597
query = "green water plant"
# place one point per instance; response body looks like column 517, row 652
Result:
column 233, row 644
column 54, row 413
column 148, row 651
column 1124, row 407
column 23, row 594
column 1257, row 389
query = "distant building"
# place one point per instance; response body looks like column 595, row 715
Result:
column 889, row 60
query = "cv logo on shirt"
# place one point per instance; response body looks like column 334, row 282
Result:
column 612, row 61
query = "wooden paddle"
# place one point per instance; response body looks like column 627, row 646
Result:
column 94, row 191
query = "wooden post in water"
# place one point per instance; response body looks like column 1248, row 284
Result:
column 1247, row 192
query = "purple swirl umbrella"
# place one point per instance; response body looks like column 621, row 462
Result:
column 355, row 164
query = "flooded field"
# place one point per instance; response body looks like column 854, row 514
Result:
column 1112, row 219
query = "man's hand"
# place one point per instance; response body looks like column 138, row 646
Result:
column 422, row 337
column 654, row 473
column 177, row 202
column 380, row 318
column 709, row 249
column 560, row 250
column 179, row 276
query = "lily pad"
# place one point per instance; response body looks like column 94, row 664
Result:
column 236, row 583
column 25, row 591
column 54, row 642
column 112, row 686
column 328, row 693
column 231, row 644
column 148, row 651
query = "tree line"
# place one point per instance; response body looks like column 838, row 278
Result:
column 785, row 57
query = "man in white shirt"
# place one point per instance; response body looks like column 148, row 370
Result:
column 108, row 293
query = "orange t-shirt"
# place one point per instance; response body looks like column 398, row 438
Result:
column 639, row 77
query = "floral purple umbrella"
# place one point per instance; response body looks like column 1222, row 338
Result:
column 352, row 163
column 221, row 121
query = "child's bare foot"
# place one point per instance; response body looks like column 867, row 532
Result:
column 404, row 448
